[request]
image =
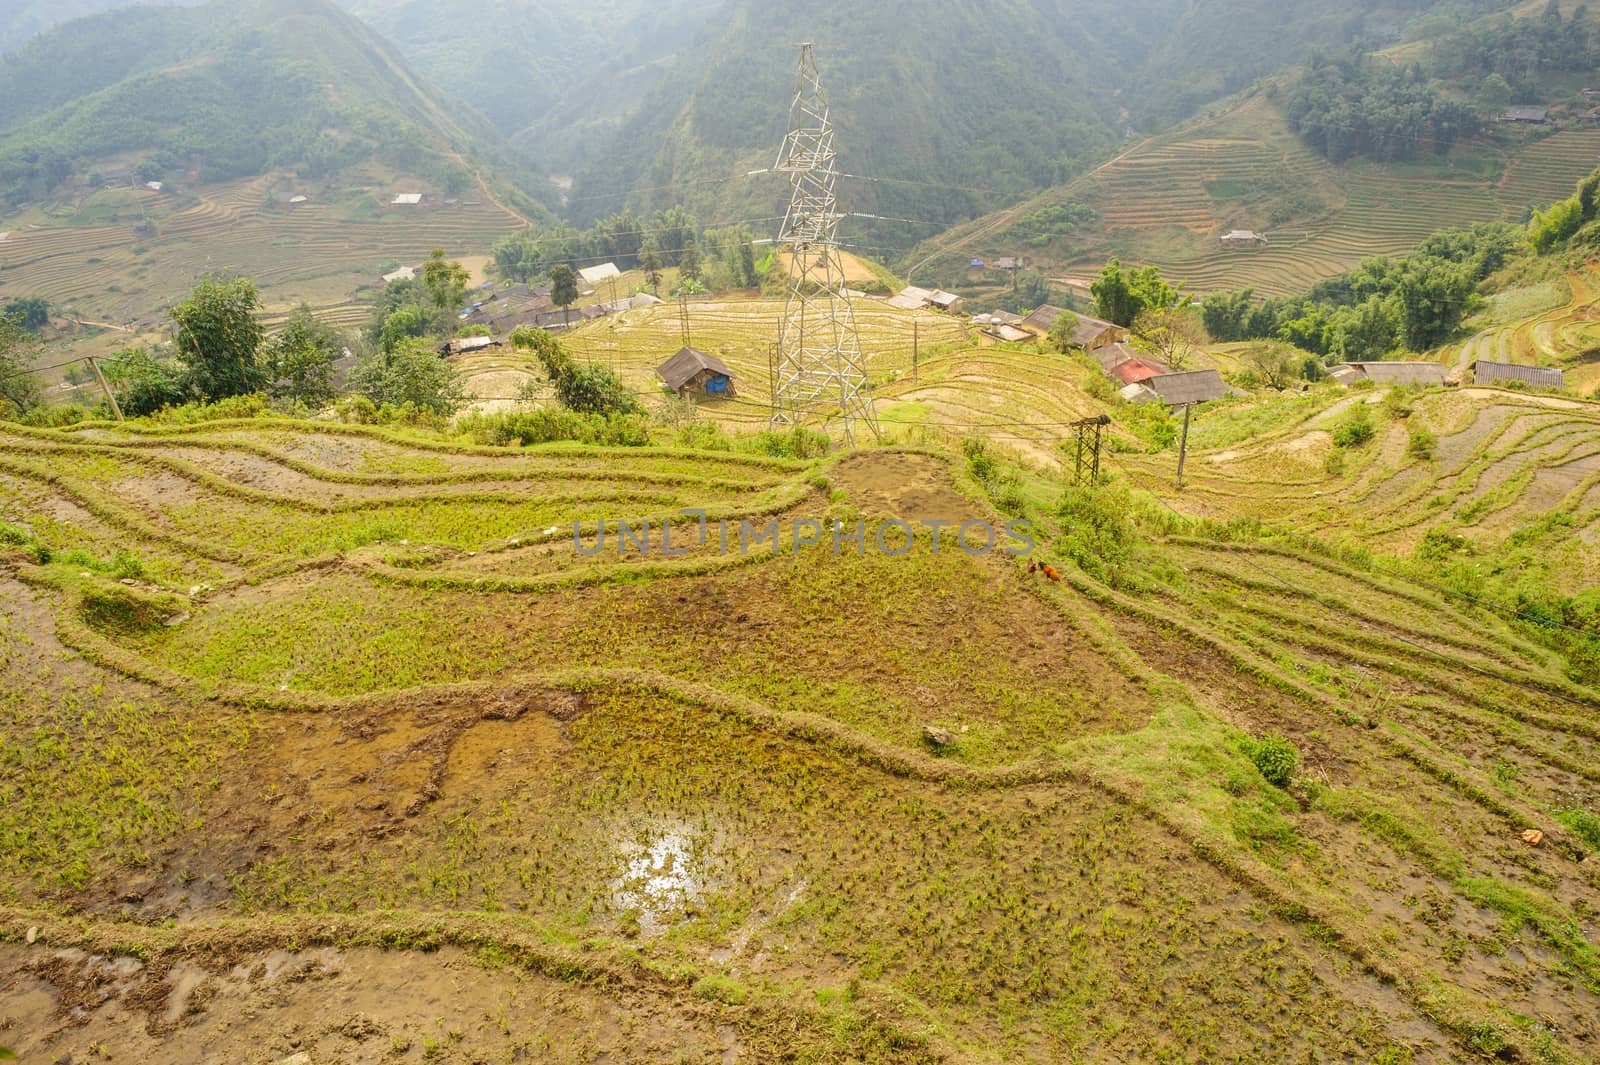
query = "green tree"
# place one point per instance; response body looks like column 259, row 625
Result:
column 445, row 281
column 33, row 312
column 1225, row 314
column 1113, row 295
column 564, row 288
column 404, row 323
column 1495, row 93
column 1433, row 295
column 589, row 388
column 676, row 229
column 1031, row 290
column 1276, row 364
column 1175, row 333
column 144, row 384
column 19, row 389
column 1552, row 228
column 412, row 374
column 1121, row 295
column 300, row 359
column 516, row 256
column 1062, row 329
column 689, row 264
column 218, row 338
column 651, row 263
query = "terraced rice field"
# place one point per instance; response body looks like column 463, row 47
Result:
column 309, row 253
column 349, row 712
column 1566, row 337
column 1017, row 394
column 1504, row 463
column 740, row 332
column 1168, row 199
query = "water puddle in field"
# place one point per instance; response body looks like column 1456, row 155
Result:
column 666, row 874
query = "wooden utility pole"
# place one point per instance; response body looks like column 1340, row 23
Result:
column 916, row 338
column 1183, row 447
column 110, row 398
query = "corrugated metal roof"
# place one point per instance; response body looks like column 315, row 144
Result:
column 682, row 367
column 593, row 275
column 1042, row 319
column 910, row 298
column 1538, row 376
column 1135, row 370
column 1193, row 386
column 1111, row 356
column 1402, row 373
column 1009, row 333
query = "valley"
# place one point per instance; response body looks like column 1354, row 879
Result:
column 497, row 566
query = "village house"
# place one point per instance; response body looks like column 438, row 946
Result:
column 1524, row 116
column 1405, row 374
column 1189, row 387
column 464, row 345
column 912, row 298
column 1087, row 335
column 1243, row 238
column 592, row 276
column 692, row 372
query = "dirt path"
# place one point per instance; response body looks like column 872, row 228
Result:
column 100, row 325
column 1473, row 350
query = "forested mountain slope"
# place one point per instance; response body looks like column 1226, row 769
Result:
column 224, row 91
column 983, row 104
column 518, row 60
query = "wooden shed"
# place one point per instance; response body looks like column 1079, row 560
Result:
column 694, row 373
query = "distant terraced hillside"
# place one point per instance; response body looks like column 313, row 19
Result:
column 1168, row 199
column 1504, row 464
column 158, row 245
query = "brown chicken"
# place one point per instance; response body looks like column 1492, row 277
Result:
column 1050, row 571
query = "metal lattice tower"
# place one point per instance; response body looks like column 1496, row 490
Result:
column 817, row 367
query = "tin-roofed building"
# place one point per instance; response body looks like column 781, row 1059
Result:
column 1089, row 333
column 1406, row 374
column 1191, row 386
column 1484, row 372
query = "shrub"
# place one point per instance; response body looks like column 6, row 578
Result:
column 54, row 417
column 412, row 374
column 1583, row 824
column 546, row 425
column 1097, row 533
column 1421, row 444
column 253, row 405
column 1002, row 486
column 702, row 436
column 797, row 443
column 719, row 988
column 1355, row 430
column 1275, row 758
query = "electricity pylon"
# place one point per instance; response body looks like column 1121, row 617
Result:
column 818, row 368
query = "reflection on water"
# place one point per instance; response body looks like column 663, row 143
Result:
column 665, row 873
